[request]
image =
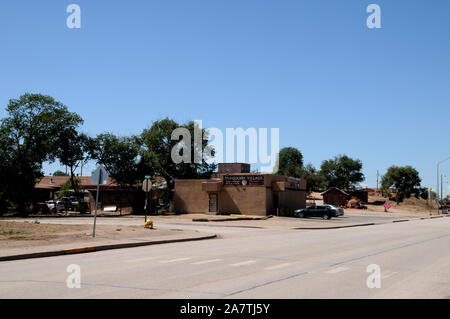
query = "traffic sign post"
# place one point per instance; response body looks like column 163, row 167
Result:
column 146, row 187
column 430, row 201
column 99, row 176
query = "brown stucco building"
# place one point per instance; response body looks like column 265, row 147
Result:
column 239, row 192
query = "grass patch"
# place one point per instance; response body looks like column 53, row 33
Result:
column 119, row 229
column 17, row 237
column 11, row 214
column 9, row 233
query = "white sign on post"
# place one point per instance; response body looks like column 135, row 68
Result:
column 99, row 177
column 147, row 185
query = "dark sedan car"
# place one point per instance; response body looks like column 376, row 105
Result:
column 324, row 211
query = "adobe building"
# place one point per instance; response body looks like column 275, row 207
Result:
column 235, row 190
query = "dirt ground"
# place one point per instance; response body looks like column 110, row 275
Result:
column 29, row 234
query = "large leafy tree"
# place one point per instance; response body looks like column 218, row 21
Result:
column 203, row 169
column 120, row 157
column 315, row 181
column 157, row 153
column 342, row 172
column 60, row 173
column 29, row 136
column 157, row 149
column 404, row 179
column 290, row 162
column 72, row 152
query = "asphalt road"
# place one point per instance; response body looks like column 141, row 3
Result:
column 414, row 259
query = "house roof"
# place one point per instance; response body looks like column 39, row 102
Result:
column 335, row 189
column 55, row 182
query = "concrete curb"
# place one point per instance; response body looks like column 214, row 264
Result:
column 400, row 220
column 230, row 219
column 334, row 227
column 100, row 248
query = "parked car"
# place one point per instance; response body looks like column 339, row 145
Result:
column 61, row 205
column 73, row 203
column 324, row 211
column 51, row 205
column 66, row 203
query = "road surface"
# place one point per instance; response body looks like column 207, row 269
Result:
column 414, row 259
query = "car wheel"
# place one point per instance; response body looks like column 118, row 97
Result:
column 300, row 215
column 326, row 216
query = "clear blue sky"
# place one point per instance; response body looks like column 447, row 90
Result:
column 311, row 68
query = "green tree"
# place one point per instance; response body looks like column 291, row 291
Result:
column 404, row 180
column 29, row 136
column 72, row 152
column 423, row 192
column 314, row 180
column 60, row 173
column 157, row 153
column 445, row 201
column 342, row 172
column 67, row 188
column 197, row 170
column 157, row 150
column 290, row 162
column 120, row 157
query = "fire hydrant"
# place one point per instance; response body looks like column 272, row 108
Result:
column 148, row 224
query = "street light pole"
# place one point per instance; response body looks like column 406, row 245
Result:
column 437, row 189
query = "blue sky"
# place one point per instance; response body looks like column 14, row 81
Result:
column 310, row 68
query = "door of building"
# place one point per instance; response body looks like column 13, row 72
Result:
column 213, row 203
column 275, row 202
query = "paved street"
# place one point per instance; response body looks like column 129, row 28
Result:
column 254, row 263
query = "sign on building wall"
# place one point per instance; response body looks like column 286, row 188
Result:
column 243, row 180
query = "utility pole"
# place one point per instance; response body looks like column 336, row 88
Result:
column 430, row 200
column 437, row 176
column 378, row 174
column 442, row 186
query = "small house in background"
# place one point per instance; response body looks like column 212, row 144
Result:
column 335, row 196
